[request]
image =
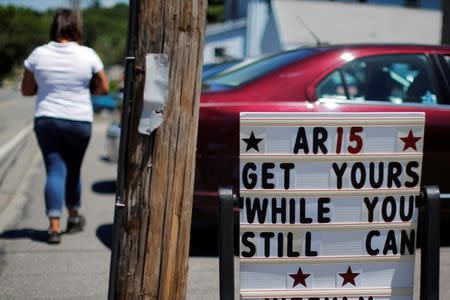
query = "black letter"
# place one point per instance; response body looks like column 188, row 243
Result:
column 267, row 236
column 256, row 209
column 362, row 178
column 308, row 251
column 245, row 176
column 369, row 237
column 251, row 247
column 266, row 176
column 370, row 207
column 321, row 210
column 339, row 173
column 287, row 167
column 394, row 172
column 413, row 174
column 278, row 210
column 320, row 136
column 390, row 244
column 407, row 241
column 290, row 246
column 403, row 215
column 301, row 141
column 376, row 183
column 389, row 200
column 292, row 210
column 280, row 244
column 303, row 218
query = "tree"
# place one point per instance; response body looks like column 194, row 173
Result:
column 21, row 31
column 105, row 30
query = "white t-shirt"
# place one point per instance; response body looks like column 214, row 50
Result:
column 63, row 72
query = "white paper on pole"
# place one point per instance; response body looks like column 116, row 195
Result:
column 156, row 89
column 328, row 205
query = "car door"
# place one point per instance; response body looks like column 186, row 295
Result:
column 397, row 83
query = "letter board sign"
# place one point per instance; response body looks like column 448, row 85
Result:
column 328, row 205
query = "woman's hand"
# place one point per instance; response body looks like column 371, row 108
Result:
column 29, row 86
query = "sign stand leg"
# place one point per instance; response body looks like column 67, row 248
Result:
column 429, row 268
column 226, row 244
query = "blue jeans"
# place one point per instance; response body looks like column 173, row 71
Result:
column 63, row 144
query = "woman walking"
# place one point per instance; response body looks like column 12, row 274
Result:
column 60, row 73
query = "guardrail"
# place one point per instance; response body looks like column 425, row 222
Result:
column 429, row 204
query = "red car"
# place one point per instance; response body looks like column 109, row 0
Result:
column 356, row 78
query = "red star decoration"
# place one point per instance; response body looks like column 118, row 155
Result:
column 410, row 141
column 300, row 277
column 349, row 276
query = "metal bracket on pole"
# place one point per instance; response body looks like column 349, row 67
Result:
column 429, row 268
column 226, row 243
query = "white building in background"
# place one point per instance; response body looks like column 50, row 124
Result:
column 225, row 40
column 263, row 26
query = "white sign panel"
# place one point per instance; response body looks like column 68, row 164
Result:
column 328, row 205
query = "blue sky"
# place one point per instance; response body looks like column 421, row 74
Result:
column 45, row 4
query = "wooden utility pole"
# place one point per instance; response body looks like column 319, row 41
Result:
column 153, row 245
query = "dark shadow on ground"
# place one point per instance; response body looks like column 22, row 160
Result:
column 104, row 187
column 25, row 233
column 104, row 234
column 204, row 242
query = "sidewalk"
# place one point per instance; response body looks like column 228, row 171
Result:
column 78, row 268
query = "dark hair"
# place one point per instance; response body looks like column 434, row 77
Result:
column 66, row 25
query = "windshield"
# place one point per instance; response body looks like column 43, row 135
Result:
column 255, row 69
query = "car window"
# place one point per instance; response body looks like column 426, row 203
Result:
column 390, row 78
column 260, row 67
column 332, row 86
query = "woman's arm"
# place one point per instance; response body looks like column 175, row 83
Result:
column 29, row 86
column 101, row 83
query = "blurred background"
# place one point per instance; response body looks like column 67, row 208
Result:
column 236, row 29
